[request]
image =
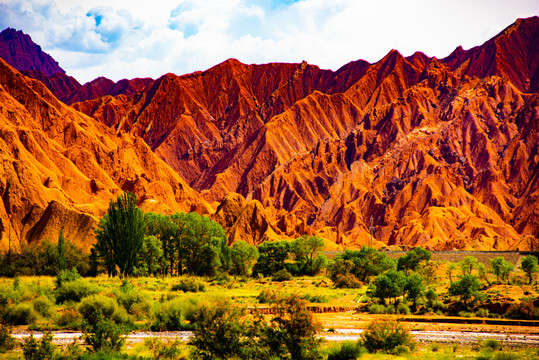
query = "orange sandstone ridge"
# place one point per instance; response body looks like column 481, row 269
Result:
column 441, row 153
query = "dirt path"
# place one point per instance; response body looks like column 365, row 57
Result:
column 449, row 337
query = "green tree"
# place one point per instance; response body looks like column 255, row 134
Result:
column 307, row 251
column 389, row 285
column 151, row 260
column 368, row 262
column 164, row 229
column 413, row 258
column 468, row 264
column 501, row 268
column 200, row 245
column 529, row 265
column 242, row 256
column 450, row 270
column 220, row 332
column 291, row 333
column 62, row 265
column 271, row 258
column 467, row 287
column 414, row 287
column 482, row 272
column 120, row 233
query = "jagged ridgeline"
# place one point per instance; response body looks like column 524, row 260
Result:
column 441, row 153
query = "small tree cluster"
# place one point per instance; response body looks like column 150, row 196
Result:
column 223, row 331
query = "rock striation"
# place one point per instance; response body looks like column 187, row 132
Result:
column 59, row 168
column 442, row 153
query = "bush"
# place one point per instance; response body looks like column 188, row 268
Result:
column 219, row 332
column 38, row 350
column 105, row 335
column 348, row 350
column 65, row 276
column 160, row 350
column 505, row 356
column 282, row 275
column 189, row 284
column 403, row 309
column 315, row 299
column 265, row 296
column 492, row 344
column 386, row 336
column 7, row 341
column 21, row 314
column 69, row 318
column 435, row 347
column 523, row 310
column 94, row 307
column 135, row 303
column 377, row 309
column 175, row 314
column 347, row 281
column 43, row 306
column 401, row 350
column 74, row 291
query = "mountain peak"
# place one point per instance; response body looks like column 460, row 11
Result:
column 18, row 50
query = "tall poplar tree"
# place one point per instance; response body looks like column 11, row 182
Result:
column 120, row 233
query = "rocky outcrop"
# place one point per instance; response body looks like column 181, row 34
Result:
column 18, row 50
column 60, row 168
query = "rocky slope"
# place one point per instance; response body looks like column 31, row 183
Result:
column 441, row 153
column 18, row 50
column 59, row 168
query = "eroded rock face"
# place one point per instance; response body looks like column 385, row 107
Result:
column 18, row 50
column 59, row 168
column 439, row 153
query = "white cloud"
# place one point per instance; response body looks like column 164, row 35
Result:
column 131, row 38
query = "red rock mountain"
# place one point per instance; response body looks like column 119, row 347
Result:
column 439, row 153
column 59, row 168
column 18, row 50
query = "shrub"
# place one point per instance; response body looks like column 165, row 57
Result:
column 105, row 335
column 38, row 350
column 482, row 312
column 403, row 309
column 189, row 284
column 43, row 306
column 65, row 276
column 435, row 347
column 134, row 302
column 160, row 350
column 93, row 307
column 401, row 350
column 21, row 314
column 282, row 275
column 74, row 291
column 523, row 310
column 377, row 309
column 347, row 281
column 385, row 335
column 174, row 314
column 265, row 296
column 316, row 299
column 69, row 318
column 348, row 350
column 219, row 332
column 505, row 356
column 492, row 344
column 7, row 341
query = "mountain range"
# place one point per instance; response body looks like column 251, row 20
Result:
column 441, row 153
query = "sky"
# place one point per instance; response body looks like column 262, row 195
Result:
column 130, row 38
